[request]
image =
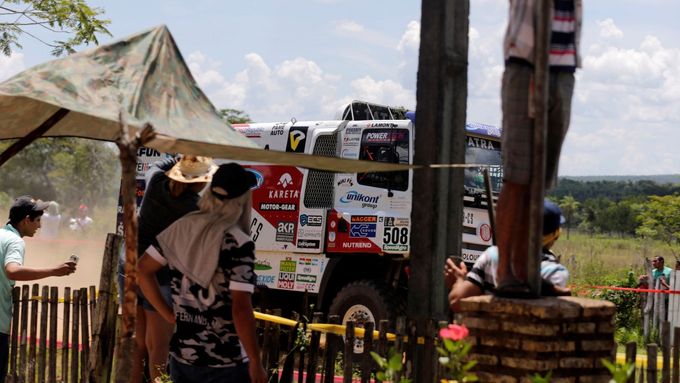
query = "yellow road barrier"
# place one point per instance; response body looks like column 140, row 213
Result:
column 640, row 360
column 321, row 327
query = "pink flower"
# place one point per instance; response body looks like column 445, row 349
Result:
column 454, row 332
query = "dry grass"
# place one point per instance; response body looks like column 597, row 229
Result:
column 597, row 259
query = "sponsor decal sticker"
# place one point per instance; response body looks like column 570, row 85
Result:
column 391, row 247
column 297, row 138
column 259, row 178
column 308, row 244
column 396, row 221
column 278, row 129
column 485, row 232
column 285, row 180
column 285, row 231
column 365, row 200
column 310, row 220
column 356, row 245
column 278, row 207
column 346, row 181
column 305, row 278
column 265, row 279
column 287, row 265
column 364, row 218
column 362, row 230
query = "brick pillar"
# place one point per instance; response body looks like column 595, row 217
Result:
column 515, row 338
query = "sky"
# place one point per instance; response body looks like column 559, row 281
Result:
column 305, row 59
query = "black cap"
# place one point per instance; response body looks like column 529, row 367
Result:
column 552, row 217
column 25, row 205
column 233, row 180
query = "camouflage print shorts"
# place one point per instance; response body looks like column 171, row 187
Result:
column 518, row 126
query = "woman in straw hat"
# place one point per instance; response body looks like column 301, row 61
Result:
column 172, row 189
column 211, row 260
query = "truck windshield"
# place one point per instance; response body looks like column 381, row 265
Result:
column 482, row 151
column 385, row 145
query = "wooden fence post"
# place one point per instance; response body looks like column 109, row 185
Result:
column 332, row 341
column 105, row 312
column 92, row 298
column 267, row 343
column 383, row 325
column 314, row 350
column 302, row 351
column 349, row 352
column 23, row 337
column 366, row 358
column 676, row 355
column 14, row 342
column 42, row 352
column 651, row 362
column 33, row 333
column 631, row 351
column 66, row 322
column 85, row 335
column 54, row 306
column 666, row 349
column 75, row 345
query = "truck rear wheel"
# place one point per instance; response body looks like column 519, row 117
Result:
column 363, row 301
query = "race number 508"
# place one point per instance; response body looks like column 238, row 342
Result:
column 395, row 235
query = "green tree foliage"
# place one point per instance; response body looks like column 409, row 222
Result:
column 70, row 171
column 235, row 116
column 71, row 22
column 613, row 190
column 660, row 219
column 569, row 206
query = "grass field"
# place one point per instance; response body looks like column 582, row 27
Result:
column 598, row 259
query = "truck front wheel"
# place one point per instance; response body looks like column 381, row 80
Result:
column 363, row 301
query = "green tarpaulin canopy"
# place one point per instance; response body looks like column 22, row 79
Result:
column 145, row 79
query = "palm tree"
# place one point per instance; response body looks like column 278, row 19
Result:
column 569, row 206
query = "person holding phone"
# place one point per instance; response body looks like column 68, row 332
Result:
column 24, row 221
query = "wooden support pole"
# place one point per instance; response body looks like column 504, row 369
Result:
column 539, row 104
column 104, row 323
column 440, row 138
column 33, row 135
column 127, row 147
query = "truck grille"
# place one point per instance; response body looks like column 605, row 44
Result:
column 319, row 190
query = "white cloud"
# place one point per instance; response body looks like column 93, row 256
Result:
column 625, row 108
column 294, row 88
column 9, row 66
column 608, row 29
column 387, row 92
column 347, row 26
column 410, row 40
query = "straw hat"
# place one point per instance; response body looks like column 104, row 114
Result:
column 191, row 169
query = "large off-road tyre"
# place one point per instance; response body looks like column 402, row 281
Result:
column 364, row 301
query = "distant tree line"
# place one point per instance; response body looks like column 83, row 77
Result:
column 611, row 190
column 71, row 171
column 643, row 209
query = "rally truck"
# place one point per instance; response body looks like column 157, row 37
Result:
column 345, row 237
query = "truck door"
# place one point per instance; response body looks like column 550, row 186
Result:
column 372, row 210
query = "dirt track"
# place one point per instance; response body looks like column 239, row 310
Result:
column 46, row 253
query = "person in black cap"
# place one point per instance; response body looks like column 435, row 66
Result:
column 24, row 220
column 211, row 260
column 481, row 279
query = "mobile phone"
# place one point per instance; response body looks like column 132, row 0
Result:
column 74, row 258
